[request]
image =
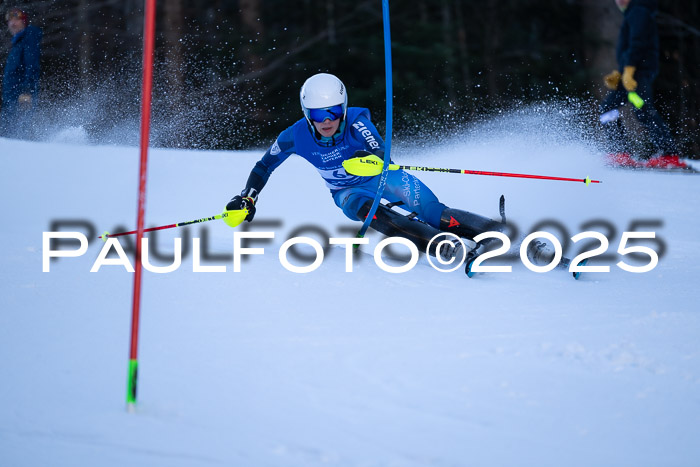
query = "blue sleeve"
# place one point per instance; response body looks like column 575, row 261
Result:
column 32, row 68
column 273, row 157
column 365, row 135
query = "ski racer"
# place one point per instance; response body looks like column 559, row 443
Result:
column 331, row 132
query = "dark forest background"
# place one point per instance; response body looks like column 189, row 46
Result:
column 228, row 72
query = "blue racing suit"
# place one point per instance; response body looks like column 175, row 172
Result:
column 350, row 192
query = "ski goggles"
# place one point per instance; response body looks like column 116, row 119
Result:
column 329, row 113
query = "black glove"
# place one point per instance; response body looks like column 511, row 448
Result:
column 239, row 202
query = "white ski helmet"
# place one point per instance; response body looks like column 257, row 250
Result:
column 323, row 91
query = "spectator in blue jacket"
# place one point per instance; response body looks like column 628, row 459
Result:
column 20, row 85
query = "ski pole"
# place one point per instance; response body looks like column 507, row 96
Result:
column 232, row 219
column 371, row 165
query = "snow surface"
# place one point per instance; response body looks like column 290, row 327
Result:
column 267, row 367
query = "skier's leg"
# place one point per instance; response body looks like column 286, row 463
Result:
column 356, row 203
column 417, row 197
column 414, row 195
column 613, row 129
column 393, row 224
column 467, row 224
column 351, row 199
column 658, row 131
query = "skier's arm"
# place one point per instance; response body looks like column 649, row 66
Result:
column 274, row 156
column 365, row 134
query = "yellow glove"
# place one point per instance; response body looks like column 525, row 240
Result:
column 24, row 99
column 628, row 78
column 612, row 80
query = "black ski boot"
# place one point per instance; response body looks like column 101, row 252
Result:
column 467, row 224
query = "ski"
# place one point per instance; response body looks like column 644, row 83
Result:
column 666, row 170
column 662, row 164
column 566, row 262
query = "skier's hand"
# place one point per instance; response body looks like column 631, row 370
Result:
column 628, row 78
column 239, row 202
column 612, row 80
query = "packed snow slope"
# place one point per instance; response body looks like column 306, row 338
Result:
column 267, row 367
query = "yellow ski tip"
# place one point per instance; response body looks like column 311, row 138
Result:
column 235, row 217
column 367, row 166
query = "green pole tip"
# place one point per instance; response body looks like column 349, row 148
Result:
column 356, row 245
column 105, row 234
column 587, row 181
column 132, row 382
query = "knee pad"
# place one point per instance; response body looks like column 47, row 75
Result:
column 351, row 201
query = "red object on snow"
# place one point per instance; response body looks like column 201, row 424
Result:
column 666, row 162
column 622, row 159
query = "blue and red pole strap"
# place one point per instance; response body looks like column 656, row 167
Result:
column 387, row 142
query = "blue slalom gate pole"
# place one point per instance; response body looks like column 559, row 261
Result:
column 387, row 141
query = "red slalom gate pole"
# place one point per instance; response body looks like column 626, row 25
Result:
column 146, row 91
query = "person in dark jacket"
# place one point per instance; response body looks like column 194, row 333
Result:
column 20, row 85
column 638, row 65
